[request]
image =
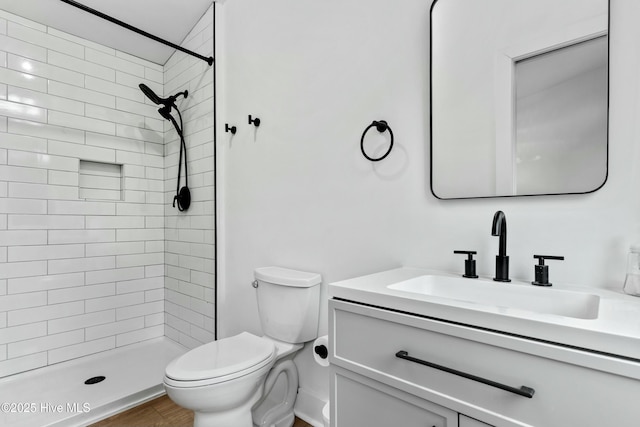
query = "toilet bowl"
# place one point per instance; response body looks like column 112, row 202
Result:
column 325, row 415
column 223, row 381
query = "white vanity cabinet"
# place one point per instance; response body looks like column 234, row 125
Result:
column 383, row 374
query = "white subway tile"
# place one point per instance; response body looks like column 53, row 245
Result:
column 139, row 335
column 139, row 134
column 114, row 222
column 22, row 364
column 115, row 275
column 116, row 116
column 23, row 237
column 25, row 80
column 115, row 142
column 139, row 61
column 3, row 26
column 143, row 184
column 35, row 345
column 139, row 108
column 81, row 293
column 81, row 236
column 62, row 178
column 110, row 329
column 42, row 191
column 19, row 47
column 18, row 333
column 154, row 75
column 22, row 21
column 105, row 303
column 81, row 94
column 139, row 209
column 3, row 157
column 16, row 302
column 31, row 315
column 23, row 111
column 154, row 319
column 99, row 194
column 22, row 269
column 3, row 352
column 38, row 99
column 39, row 160
column 20, row 174
column 40, row 130
column 140, row 234
column 132, row 196
column 83, row 152
column 21, row 142
column 154, row 295
column 63, row 207
column 43, row 283
column 44, row 39
column 80, row 264
column 3, row 291
column 45, row 222
column 78, row 122
column 139, row 285
column 46, row 252
column 42, row 69
column 79, row 40
column 81, row 66
column 120, row 248
column 142, row 259
column 114, row 62
column 3, row 320
column 78, row 350
column 154, row 222
column 121, row 91
column 140, row 310
column 81, row 321
column 154, row 246
column 100, row 182
column 124, row 157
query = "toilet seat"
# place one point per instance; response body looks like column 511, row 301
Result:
column 220, row 361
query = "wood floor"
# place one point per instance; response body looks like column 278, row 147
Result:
column 160, row 412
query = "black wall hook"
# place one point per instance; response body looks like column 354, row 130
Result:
column 255, row 122
column 231, row 129
column 381, row 126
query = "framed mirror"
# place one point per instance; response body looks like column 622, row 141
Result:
column 519, row 97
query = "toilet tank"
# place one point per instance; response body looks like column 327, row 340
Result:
column 288, row 303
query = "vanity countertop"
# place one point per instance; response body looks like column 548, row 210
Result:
column 615, row 331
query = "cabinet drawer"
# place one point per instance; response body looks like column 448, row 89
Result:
column 365, row 340
column 364, row 402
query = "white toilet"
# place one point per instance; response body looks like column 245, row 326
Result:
column 221, row 382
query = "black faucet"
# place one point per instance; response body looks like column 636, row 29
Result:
column 499, row 228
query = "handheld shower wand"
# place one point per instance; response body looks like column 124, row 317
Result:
column 183, row 195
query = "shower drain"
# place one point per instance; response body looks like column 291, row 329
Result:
column 95, row 380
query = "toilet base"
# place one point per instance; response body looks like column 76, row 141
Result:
column 237, row 417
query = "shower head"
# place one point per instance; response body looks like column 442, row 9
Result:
column 167, row 102
column 150, row 93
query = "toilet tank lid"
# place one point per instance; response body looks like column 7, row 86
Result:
column 287, row 277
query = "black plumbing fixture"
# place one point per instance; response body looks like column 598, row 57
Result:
column 469, row 264
column 130, row 27
column 381, row 126
column 231, row 129
column 183, row 195
column 541, row 271
column 255, row 122
column 499, row 228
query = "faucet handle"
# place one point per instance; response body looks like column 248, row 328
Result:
column 469, row 264
column 541, row 271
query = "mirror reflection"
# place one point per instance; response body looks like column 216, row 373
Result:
column 519, row 97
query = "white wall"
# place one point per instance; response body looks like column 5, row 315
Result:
column 78, row 275
column 299, row 194
column 190, row 253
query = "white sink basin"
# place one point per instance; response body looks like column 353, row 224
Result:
column 539, row 300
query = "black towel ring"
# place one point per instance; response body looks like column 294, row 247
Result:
column 380, row 126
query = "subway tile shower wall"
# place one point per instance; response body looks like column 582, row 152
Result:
column 80, row 272
column 189, row 298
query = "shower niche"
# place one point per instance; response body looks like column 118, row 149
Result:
column 100, row 181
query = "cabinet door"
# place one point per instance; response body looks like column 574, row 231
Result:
column 364, row 402
column 470, row 422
